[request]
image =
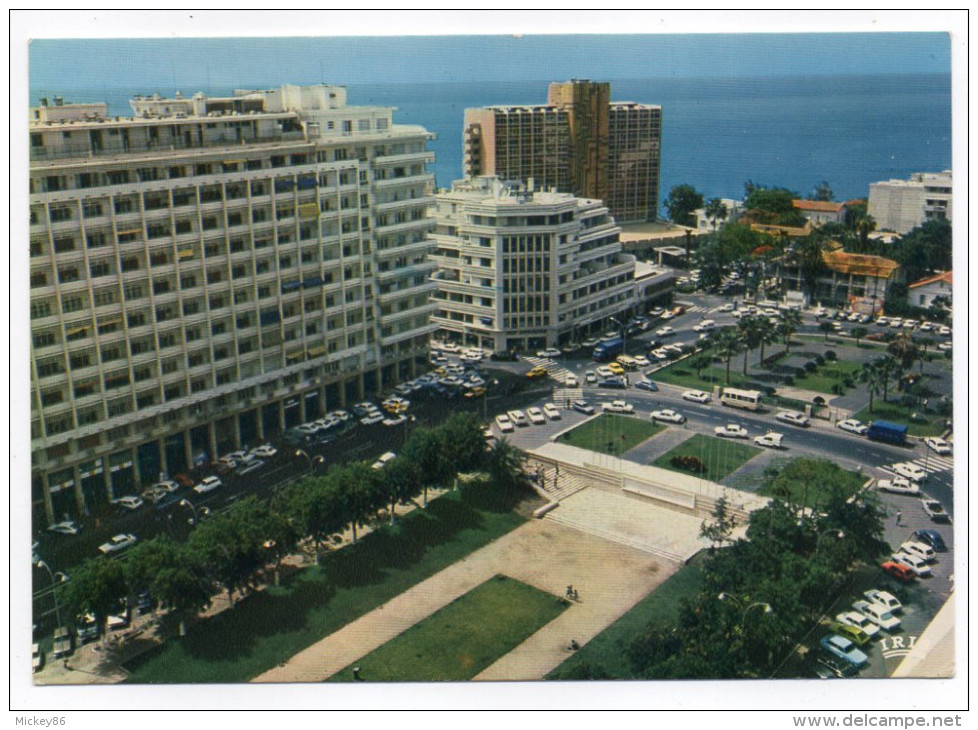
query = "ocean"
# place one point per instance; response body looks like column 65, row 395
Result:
column 784, row 131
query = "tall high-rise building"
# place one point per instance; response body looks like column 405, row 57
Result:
column 211, row 271
column 524, row 270
column 902, row 205
column 580, row 142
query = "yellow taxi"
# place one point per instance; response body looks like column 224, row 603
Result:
column 616, row 368
column 537, row 372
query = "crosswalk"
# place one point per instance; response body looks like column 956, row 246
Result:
column 930, row 464
column 555, row 371
column 698, row 308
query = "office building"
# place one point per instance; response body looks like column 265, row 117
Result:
column 902, row 205
column 579, row 142
column 211, row 271
column 520, row 269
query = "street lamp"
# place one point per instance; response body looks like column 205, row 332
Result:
column 740, row 602
column 203, row 510
column 56, row 579
column 312, row 460
column 624, row 340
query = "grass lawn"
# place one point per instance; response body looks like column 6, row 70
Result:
column 930, row 424
column 611, row 433
column 827, row 375
column 719, row 456
column 682, row 374
column 461, row 639
column 805, row 481
column 605, row 656
column 270, row 626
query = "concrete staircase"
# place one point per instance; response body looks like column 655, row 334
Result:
column 557, row 517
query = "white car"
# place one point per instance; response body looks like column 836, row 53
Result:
column 605, row 372
column 728, row 307
column 927, row 327
column 860, row 621
column 371, row 418
column 518, row 418
column 117, row 543
column 944, row 330
column 665, row 331
column 937, row 445
column 878, row 614
column 571, row 381
column 910, row 471
column 771, row 440
column 668, row 415
column 945, row 346
column 551, row 411
column 208, row 484
column 383, row 460
column 550, row 352
column 668, row 314
column 503, row 423
column 129, row 501
column 899, row 485
column 618, row 406
column 641, row 361
column 536, row 416
column 590, row 378
column 853, row 426
column 916, row 563
column 265, row 450
column 731, row 430
column 697, row 396
column 394, row 420
column 935, row 510
column 704, row 326
column 68, row 527
column 883, row 321
column 793, row 417
column 885, row 599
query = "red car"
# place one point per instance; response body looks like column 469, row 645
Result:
column 898, row 570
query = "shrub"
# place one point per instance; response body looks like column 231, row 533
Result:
column 819, row 360
column 830, row 355
column 788, row 380
column 810, row 366
column 838, row 389
column 687, row 463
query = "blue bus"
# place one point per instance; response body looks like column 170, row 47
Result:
column 608, row 350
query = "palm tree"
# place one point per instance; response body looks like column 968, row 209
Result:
column 751, row 331
column 699, row 362
column 809, row 255
column 905, row 350
column 865, row 225
column 875, row 376
column 727, row 343
column 858, row 333
column 715, row 210
column 925, row 343
column 790, row 322
column 826, row 327
column 890, row 367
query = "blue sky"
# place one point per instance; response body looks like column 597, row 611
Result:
column 67, row 64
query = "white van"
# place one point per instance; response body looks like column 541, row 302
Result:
column 919, row 549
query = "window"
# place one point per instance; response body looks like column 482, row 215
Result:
column 64, row 244
column 39, row 278
column 100, row 268
column 72, row 304
column 59, row 214
column 44, row 339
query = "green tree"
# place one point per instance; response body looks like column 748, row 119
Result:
column 858, row 333
column 925, row 250
column 779, row 202
column 752, row 332
column 719, row 528
column 699, row 362
column 790, row 322
column 826, row 328
column 361, row 494
column 808, row 253
column 505, row 464
column 681, row 202
column 314, row 506
column 822, row 191
column 727, row 344
column 716, row 210
column 167, row 570
column 905, row 350
column 98, row 586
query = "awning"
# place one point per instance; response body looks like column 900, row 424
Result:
column 294, row 356
column 109, row 321
column 233, row 162
column 130, row 231
column 316, row 351
column 187, row 253
column 77, row 330
column 309, row 210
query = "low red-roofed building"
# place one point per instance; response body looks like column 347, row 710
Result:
column 923, row 292
column 821, row 211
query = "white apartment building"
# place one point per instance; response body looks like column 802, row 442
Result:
column 212, row 271
column 520, row 269
column 902, row 205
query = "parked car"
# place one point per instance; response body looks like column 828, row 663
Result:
column 551, row 411
column 921, row 550
column 910, row 470
column 731, row 430
column 503, row 423
column 898, row 570
column 878, row 614
column 394, row 420
column 129, row 502
column 518, row 418
column 794, row 418
column 916, row 563
column 853, row 426
column 932, row 538
column 899, row 485
column 582, row 407
column 646, row 384
column 935, row 510
column 383, row 460
column 771, row 440
column 117, row 543
column 536, row 416
column 844, row 649
column 618, row 406
column 668, row 415
column 937, row 445
column 68, row 527
column 828, row 665
column 208, row 484
column 265, row 451
column 860, row 621
column 855, row 634
column 697, row 396
column 86, row 628
column 158, row 491
column 372, row 418
column 885, row 599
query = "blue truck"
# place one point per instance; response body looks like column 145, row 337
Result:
column 891, row 433
column 608, row 349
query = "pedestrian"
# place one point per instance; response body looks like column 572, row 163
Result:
column 899, row 518
column 570, row 591
column 575, row 594
column 574, row 645
column 356, row 674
